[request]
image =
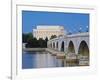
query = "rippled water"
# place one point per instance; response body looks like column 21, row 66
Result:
column 40, row 60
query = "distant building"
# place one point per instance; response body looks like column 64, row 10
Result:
column 43, row 31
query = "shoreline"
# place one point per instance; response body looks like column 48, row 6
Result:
column 59, row 55
column 34, row 49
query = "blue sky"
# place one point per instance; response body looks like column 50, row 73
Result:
column 71, row 21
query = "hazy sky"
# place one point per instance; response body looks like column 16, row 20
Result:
column 71, row 21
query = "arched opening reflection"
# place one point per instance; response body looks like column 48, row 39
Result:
column 50, row 45
column 62, row 46
column 53, row 45
column 57, row 45
column 71, row 47
column 83, row 49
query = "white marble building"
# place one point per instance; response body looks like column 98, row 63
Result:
column 43, row 31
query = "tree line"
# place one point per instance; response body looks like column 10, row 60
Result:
column 32, row 42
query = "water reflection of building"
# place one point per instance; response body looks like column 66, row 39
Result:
column 43, row 31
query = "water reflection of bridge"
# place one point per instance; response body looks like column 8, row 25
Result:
column 75, row 47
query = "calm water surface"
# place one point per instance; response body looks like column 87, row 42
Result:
column 40, row 60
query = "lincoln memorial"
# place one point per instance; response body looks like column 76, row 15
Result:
column 43, row 31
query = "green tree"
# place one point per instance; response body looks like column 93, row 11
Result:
column 60, row 35
column 32, row 42
column 53, row 36
column 46, row 40
column 41, row 43
column 25, row 37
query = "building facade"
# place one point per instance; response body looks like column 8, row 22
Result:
column 43, row 31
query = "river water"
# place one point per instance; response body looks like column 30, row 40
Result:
column 40, row 60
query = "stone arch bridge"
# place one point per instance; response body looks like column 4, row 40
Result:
column 74, row 44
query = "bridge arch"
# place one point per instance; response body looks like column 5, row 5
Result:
column 83, row 48
column 50, row 45
column 57, row 45
column 53, row 44
column 71, row 48
column 62, row 46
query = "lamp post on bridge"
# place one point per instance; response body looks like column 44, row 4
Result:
column 80, row 29
column 87, row 28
